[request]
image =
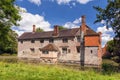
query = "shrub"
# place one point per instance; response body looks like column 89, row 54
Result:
column 5, row 54
column 109, row 67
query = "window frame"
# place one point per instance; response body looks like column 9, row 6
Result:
column 78, row 49
column 45, row 52
column 32, row 50
column 42, row 41
column 51, row 40
column 21, row 42
column 32, row 41
column 64, row 50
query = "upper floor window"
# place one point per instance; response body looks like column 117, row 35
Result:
column 91, row 51
column 78, row 49
column 65, row 40
column 32, row 41
column 42, row 41
column 64, row 50
column 51, row 40
column 32, row 50
column 21, row 42
column 69, row 51
column 78, row 39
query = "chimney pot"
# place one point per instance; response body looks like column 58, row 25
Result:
column 83, row 19
column 34, row 28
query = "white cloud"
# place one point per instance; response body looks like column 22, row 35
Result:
column 74, row 24
column 102, row 22
column 77, row 21
column 83, row 1
column 28, row 20
column 63, row 1
column 70, row 25
column 74, row 4
column 37, row 2
column 104, row 29
column 106, row 34
column 73, row 1
column 19, row 32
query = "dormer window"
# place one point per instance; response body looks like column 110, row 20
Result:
column 65, row 40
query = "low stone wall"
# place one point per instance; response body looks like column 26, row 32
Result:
column 39, row 60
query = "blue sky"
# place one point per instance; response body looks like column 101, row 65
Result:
column 47, row 13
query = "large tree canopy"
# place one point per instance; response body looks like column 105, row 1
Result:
column 111, row 15
column 62, row 28
column 9, row 15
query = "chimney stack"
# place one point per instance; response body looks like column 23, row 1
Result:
column 83, row 25
column 34, row 29
column 56, row 30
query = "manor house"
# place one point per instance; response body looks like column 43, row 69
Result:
column 61, row 45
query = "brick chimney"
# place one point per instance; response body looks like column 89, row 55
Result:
column 83, row 25
column 100, row 47
column 100, row 34
column 34, row 29
column 56, row 30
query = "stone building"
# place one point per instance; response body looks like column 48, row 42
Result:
column 61, row 45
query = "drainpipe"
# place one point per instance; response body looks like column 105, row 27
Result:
column 82, row 46
column 82, row 49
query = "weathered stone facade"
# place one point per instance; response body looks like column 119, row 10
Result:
column 67, row 42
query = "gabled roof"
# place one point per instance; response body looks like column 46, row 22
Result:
column 50, row 47
column 90, row 32
column 62, row 33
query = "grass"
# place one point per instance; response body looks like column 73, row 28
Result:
column 22, row 71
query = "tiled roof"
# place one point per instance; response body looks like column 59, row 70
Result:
column 90, row 32
column 50, row 47
column 92, row 41
column 62, row 33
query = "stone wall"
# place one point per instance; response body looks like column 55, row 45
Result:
column 72, row 56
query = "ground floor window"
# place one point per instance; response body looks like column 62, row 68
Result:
column 32, row 50
column 64, row 50
column 69, row 51
column 78, row 49
column 45, row 52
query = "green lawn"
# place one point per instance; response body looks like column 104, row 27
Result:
column 22, row 71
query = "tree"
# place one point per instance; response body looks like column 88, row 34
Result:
column 111, row 15
column 110, row 46
column 9, row 15
column 111, row 51
column 62, row 28
column 39, row 30
column 11, row 45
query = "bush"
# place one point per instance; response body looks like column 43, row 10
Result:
column 109, row 66
column 5, row 54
